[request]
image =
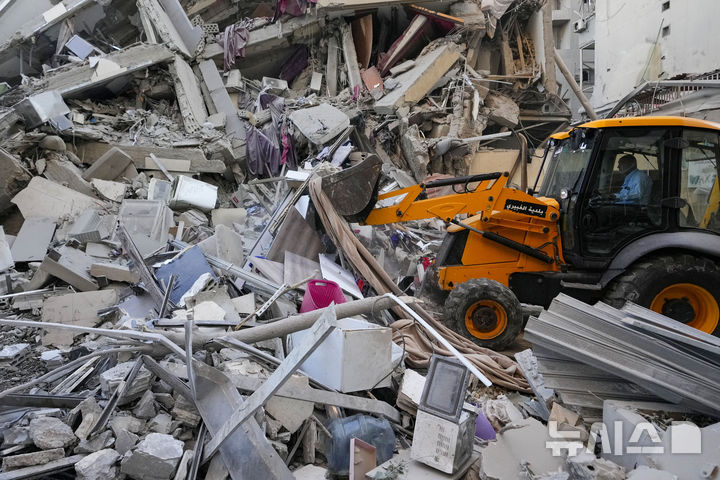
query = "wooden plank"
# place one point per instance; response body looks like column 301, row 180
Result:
column 91, row 151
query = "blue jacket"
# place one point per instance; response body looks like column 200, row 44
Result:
column 636, row 189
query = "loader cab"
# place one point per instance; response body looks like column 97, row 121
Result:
column 619, row 180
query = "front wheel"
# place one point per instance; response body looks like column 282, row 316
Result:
column 684, row 287
column 485, row 311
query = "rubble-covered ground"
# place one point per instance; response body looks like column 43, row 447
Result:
column 169, row 257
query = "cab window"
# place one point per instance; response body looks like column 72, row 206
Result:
column 699, row 181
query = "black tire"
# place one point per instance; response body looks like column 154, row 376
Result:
column 430, row 287
column 646, row 279
column 464, row 300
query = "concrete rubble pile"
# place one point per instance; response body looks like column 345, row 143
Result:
column 179, row 300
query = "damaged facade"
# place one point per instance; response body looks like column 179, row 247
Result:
column 180, row 295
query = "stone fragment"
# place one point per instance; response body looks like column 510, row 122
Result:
column 155, row 458
column 16, row 435
column 53, row 142
column 96, row 443
column 145, row 407
column 124, row 441
column 98, row 465
column 50, row 432
column 13, row 179
column 29, row 459
column 503, row 110
column 109, row 190
column 160, row 423
column 126, row 423
column 110, row 379
column 109, row 166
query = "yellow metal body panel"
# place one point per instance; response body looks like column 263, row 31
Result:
column 644, row 122
column 493, row 207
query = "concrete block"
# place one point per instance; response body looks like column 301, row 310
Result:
column 50, row 432
column 74, row 309
column 320, row 124
column 145, row 407
column 109, row 190
column 503, row 110
column 290, row 412
column 124, row 441
column 33, row 239
column 160, row 423
column 110, row 379
column 414, row 84
column 109, row 166
column 229, row 245
column 114, row 272
column 126, row 423
column 96, row 443
column 97, row 465
column 30, row 459
column 13, row 179
column 43, row 198
column 155, row 458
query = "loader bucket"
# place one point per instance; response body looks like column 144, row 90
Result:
column 353, row 191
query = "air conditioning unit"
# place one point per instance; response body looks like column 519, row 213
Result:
column 580, row 25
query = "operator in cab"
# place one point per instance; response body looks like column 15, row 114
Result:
column 636, row 187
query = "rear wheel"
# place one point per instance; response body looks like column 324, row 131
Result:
column 486, row 312
column 685, row 288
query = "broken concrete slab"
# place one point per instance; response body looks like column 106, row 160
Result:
column 100, row 464
column 155, row 458
column 114, row 272
column 43, row 198
column 189, row 95
column 414, row 84
column 291, row 413
column 33, row 239
column 320, row 124
column 199, row 163
column 110, row 379
column 29, row 459
column 351, row 61
column 132, row 59
column 68, row 174
column 503, row 110
column 109, row 166
column 109, row 190
column 50, row 432
column 124, row 441
column 221, row 99
column 74, row 309
column 72, row 266
column 13, row 179
column 172, row 24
